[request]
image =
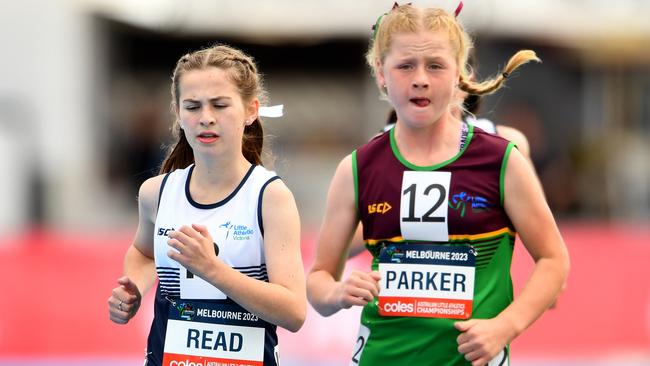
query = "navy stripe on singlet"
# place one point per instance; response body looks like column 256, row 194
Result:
column 170, row 281
column 223, row 201
column 259, row 204
column 162, row 185
column 257, row 272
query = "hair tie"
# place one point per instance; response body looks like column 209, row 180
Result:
column 505, row 75
column 458, row 9
column 375, row 26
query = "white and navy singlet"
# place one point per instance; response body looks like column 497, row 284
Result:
column 193, row 320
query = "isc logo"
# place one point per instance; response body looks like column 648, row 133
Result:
column 164, row 232
column 381, row 208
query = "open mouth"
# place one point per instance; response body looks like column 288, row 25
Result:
column 207, row 137
column 420, row 102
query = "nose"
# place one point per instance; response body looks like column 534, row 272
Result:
column 207, row 118
column 420, row 79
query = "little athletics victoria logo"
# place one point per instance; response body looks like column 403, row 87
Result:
column 238, row 232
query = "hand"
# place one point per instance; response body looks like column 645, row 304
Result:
column 195, row 249
column 482, row 339
column 124, row 301
column 358, row 289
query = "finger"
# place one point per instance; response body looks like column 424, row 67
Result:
column 473, row 356
column 119, row 294
column 176, row 256
column 118, row 320
column 354, row 300
column 180, row 235
column 190, row 232
column 176, row 244
column 368, row 284
column 360, row 293
column 375, row 275
column 463, row 338
column 463, row 326
column 482, row 361
column 465, row 348
column 363, row 281
column 203, row 230
column 128, row 285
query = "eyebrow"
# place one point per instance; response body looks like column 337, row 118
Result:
column 190, row 100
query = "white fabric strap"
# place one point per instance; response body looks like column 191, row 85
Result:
column 273, row 111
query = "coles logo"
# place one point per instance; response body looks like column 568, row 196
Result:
column 398, row 307
column 185, row 363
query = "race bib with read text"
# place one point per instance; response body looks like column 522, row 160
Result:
column 213, row 334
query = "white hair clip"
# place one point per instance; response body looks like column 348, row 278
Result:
column 271, row 111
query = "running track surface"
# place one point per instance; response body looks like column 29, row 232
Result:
column 55, row 285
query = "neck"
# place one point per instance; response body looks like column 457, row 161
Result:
column 429, row 145
column 214, row 179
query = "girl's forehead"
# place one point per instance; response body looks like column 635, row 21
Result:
column 210, row 78
column 421, row 42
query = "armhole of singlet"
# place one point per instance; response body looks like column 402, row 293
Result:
column 259, row 204
column 162, row 186
column 355, row 179
column 504, row 164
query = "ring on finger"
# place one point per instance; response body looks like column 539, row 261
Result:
column 120, row 306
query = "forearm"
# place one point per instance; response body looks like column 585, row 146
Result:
column 539, row 292
column 320, row 287
column 272, row 302
column 140, row 268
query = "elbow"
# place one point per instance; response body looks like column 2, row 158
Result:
column 566, row 265
column 297, row 320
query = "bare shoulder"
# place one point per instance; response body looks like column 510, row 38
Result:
column 277, row 192
column 344, row 169
column 148, row 196
column 516, row 136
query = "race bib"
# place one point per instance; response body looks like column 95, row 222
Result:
column 430, row 281
column 209, row 334
column 423, row 205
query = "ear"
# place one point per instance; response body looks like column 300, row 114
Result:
column 251, row 111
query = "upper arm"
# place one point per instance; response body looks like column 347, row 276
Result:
column 282, row 237
column 340, row 221
column 527, row 209
column 516, row 136
column 147, row 209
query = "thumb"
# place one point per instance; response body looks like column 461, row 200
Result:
column 128, row 285
column 464, row 326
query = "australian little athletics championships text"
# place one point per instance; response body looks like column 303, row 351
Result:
column 442, row 308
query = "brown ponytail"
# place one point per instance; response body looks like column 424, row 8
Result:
column 253, row 142
column 179, row 156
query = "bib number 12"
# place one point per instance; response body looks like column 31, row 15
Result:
column 423, row 207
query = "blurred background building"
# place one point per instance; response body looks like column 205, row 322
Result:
column 85, row 118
